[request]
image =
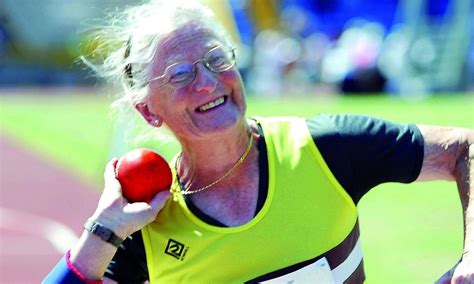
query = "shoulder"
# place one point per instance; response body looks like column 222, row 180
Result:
column 356, row 128
column 363, row 151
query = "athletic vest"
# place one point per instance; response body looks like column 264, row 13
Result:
column 306, row 231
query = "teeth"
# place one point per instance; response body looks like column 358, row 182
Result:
column 213, row 104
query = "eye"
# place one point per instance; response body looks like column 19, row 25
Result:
column 180, row 72
column 179, row 76
column 217, row 60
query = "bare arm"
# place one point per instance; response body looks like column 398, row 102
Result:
column 449, row 155
column 91, row 255
column 445, row 149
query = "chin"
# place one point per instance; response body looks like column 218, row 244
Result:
column 221, row 121
column 221, row 126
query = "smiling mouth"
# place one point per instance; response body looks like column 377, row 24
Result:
column 212, row 105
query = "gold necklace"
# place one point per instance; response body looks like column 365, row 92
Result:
column 186, row 191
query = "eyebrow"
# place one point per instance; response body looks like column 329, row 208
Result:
column 170, row 61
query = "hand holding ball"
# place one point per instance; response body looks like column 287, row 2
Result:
column 143, row 173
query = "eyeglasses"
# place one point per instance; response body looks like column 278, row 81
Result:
column 181, row 74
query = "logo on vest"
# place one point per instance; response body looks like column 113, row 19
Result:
column 176, row 249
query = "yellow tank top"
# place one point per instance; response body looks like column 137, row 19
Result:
column 306, row 213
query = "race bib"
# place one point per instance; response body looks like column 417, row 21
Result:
column 317, row 272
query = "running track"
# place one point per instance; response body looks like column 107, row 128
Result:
column 42, row 209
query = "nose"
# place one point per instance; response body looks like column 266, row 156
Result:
column 206, row 80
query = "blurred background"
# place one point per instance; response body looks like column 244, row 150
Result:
column 399, row 47
column 403, row 60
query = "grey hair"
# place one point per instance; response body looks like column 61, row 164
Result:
column 129, row 39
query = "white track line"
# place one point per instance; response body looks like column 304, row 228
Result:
column 61, row 237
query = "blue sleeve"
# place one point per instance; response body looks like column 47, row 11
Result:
column 62, row 274
column 363, row 151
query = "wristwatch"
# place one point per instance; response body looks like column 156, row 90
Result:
column 103, row 232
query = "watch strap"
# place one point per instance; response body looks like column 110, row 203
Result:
column 103, row 232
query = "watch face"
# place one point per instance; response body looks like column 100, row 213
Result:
column 101, row 231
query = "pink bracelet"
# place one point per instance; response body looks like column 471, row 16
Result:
column 77, row 272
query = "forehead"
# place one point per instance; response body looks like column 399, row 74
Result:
column 189, row 42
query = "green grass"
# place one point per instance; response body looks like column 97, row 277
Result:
column 74, row 131
column 410, row 233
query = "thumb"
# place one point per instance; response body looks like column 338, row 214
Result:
column 158, row 202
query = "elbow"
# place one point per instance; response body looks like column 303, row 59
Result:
column 465, row 154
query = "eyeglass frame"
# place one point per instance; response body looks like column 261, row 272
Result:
column 203, row 59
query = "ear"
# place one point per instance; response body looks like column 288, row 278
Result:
column 152, row 119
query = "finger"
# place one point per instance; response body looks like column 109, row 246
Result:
column 109, row 172
column 144, row 213
column 148, row 210
column 158, row 202
column 112, row 185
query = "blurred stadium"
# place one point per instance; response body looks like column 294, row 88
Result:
column 285, row 46
column 404, row 60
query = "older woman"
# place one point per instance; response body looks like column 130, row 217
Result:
column 253, row 199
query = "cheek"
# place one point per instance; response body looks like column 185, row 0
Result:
column 160, row 102
column 233, row 79
column 155, row 104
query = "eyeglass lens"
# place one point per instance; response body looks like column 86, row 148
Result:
column 218, row 59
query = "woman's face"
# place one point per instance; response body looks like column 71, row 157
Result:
column 211, row 104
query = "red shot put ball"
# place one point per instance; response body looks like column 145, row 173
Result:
column 142, row 173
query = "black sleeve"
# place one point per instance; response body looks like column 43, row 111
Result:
column 129, row 262
column 363, row 151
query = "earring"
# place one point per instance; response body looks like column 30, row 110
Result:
column 156, row 122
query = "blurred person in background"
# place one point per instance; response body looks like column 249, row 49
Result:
column 253, row 199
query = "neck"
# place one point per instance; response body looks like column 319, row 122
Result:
column 205, row 160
